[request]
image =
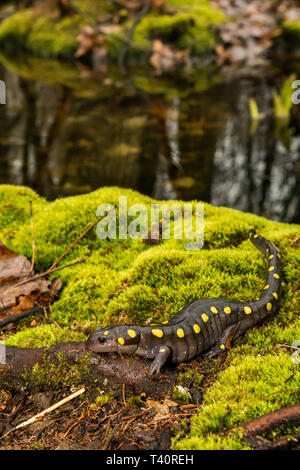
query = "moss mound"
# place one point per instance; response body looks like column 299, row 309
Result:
column 42, row 36
column 185, row 24
column 130, row 281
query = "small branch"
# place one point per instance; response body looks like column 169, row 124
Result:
column 144, row 11
column 286, row 442
column 76, row 241
column 287, row 346
column 19, row 316
column 123, row 395
column 281, row 391
column 32, row 238
column 269, row 421
column 48, row 410
column 131, row 371
column 38, row 276
column 295, row 242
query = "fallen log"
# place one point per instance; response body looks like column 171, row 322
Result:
column 284, row 443
column 131, row 371
column 252, row 430
column 265, row 423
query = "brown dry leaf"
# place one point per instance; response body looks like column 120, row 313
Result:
column 165, row 57
column 108, row 28
column 87, row 39
column 158, row 4
column 5, row 252
column 162, row 409
column 13, row 300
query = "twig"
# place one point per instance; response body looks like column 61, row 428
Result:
column 123, row 394
column 32, row 238
column 19, row 316
column 126, row 418
column 48, row 410
column 283, row 390
column 51, row 269
column 144, row 11
column 74, row 424
column 38, row 276
column 269, row 421
column 287, row 346
column 76, row 241
column 295, row 241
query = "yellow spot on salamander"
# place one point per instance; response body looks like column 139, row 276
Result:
column 227, row 310
column 121, row 341
column 267, row 286
column 275, row 295
column 165, row 322
column 255, row 236
column 180, row 333
column 222, row 346
column 269, row 306
column 247, row 310
column 271, row 256
column 131, row 333
column 106, row 333
column 276, row 275
column 204, row 317
column 213, row 309
column 162, row 350
column 271, row 268
column 197, row 328
column 158, row 333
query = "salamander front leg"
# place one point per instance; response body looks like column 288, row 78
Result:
column 160, row 359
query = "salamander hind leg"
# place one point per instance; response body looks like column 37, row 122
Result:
column 162, row 355
column 225, row 341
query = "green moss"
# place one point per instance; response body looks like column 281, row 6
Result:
column 243, row 391
column 188, row 25
column 44, row 335
column 48, row 39
column 129, row 281
column 291, row 31
column 15, row 29
column 41, row 35
column 135, row 402
column 180, row 397
column 59, row 374
column 102, row 399
column 189, row 377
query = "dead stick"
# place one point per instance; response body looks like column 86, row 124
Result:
column 19, row 316
column 53, row 407
column 76, row 241
column 281, row 391
column 38, row 276
column 123, row 394
column 32, row 238
column 269, row 421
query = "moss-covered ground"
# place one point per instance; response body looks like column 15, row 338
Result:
column 186, row 24
column 130, row 281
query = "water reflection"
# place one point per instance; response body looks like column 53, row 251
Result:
column 67, row 131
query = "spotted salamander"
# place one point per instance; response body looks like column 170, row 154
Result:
column 204, row 327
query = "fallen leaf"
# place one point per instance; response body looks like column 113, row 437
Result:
column 14, row 298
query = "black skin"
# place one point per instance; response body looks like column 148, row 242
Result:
column 204, row 327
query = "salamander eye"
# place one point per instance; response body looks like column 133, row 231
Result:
column 101, row 339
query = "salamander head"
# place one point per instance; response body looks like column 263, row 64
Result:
column 121, row 338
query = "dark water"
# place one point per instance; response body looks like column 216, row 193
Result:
column 67, row 130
